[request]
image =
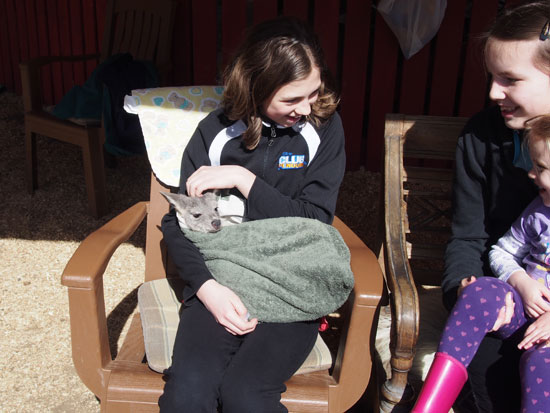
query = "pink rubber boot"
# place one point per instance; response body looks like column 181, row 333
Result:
column 440, row 390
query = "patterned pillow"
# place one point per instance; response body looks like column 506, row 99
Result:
column 159, row 308
column 168, row 118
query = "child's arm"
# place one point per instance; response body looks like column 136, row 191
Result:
column 505, row 258
column 535, row 295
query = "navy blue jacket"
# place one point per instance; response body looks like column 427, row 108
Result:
column 298, row 173
column 489, row 193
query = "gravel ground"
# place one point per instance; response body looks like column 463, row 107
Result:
column 39, row 233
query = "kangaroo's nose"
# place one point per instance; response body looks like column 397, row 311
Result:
column 216, row 224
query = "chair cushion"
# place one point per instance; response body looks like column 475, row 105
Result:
column 159, row 307
column 168, row 118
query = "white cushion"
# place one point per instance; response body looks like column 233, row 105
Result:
column 159, row 308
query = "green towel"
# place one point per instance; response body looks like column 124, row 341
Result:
column 283, row 269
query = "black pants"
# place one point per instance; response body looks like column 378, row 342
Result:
column 212, row 368
column 493, row 379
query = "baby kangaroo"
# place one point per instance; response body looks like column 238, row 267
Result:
column 196, row 213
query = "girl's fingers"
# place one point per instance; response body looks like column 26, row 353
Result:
column 532, row 311
column 538, row 311
column 465, row 282
column 538, row 308
column 500, row 319
column 524, row 345
column 508, row 308
column 544, row 305
column 527, row 341
column 535, row 333
column 194, row 183
column 546, row 294
column 237, row 321
column 506, row 313
column 241, row 325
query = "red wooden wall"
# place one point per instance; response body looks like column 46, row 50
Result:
column 445, row 78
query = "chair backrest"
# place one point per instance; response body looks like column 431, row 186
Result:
column 418, row 173
column 142, row 28
column 168, row 118
column 157, row 262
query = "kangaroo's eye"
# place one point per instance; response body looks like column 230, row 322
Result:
column 196, row 215
column 216, row 209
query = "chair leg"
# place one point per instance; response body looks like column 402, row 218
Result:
column 397, row 394
column 94, row 173
column 30, row 161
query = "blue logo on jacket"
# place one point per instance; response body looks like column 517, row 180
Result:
column 291, row 161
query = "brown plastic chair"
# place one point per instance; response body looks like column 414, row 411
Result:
column 128, row 384
column 418, row 173
column 142, row 28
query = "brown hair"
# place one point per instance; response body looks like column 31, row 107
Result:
column 524, row 22
column 273, row 54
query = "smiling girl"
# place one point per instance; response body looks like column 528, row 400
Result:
column 278, row 143
column 519, row 69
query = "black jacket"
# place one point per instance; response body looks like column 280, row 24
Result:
column 298, row 173
column 489, row 193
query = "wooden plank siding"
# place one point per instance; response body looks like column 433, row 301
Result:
column 445, row 78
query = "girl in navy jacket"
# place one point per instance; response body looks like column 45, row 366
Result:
column 278, row 143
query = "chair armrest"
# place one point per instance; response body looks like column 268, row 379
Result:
column 354, row 361
column 87, row 265
column 30, row 77
column 83, row 276
column 403, row 293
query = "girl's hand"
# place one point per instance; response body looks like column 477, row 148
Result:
column 226, row 307
column 506, row 313
column 220, row 177
column 537, row 332
column 535, row 295
column 464, row 283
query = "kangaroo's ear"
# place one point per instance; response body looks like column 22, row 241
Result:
column 176, row 200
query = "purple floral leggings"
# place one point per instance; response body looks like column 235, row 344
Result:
column 474, row 314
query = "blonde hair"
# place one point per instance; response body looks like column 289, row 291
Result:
column 273, row 54
column 538, row 128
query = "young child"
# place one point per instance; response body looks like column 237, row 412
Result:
column 278, row 143
column 527, row 243
column 491, row 189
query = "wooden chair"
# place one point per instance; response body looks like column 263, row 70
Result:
column 142, row 28
column 128, row 384
column 418, row 173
